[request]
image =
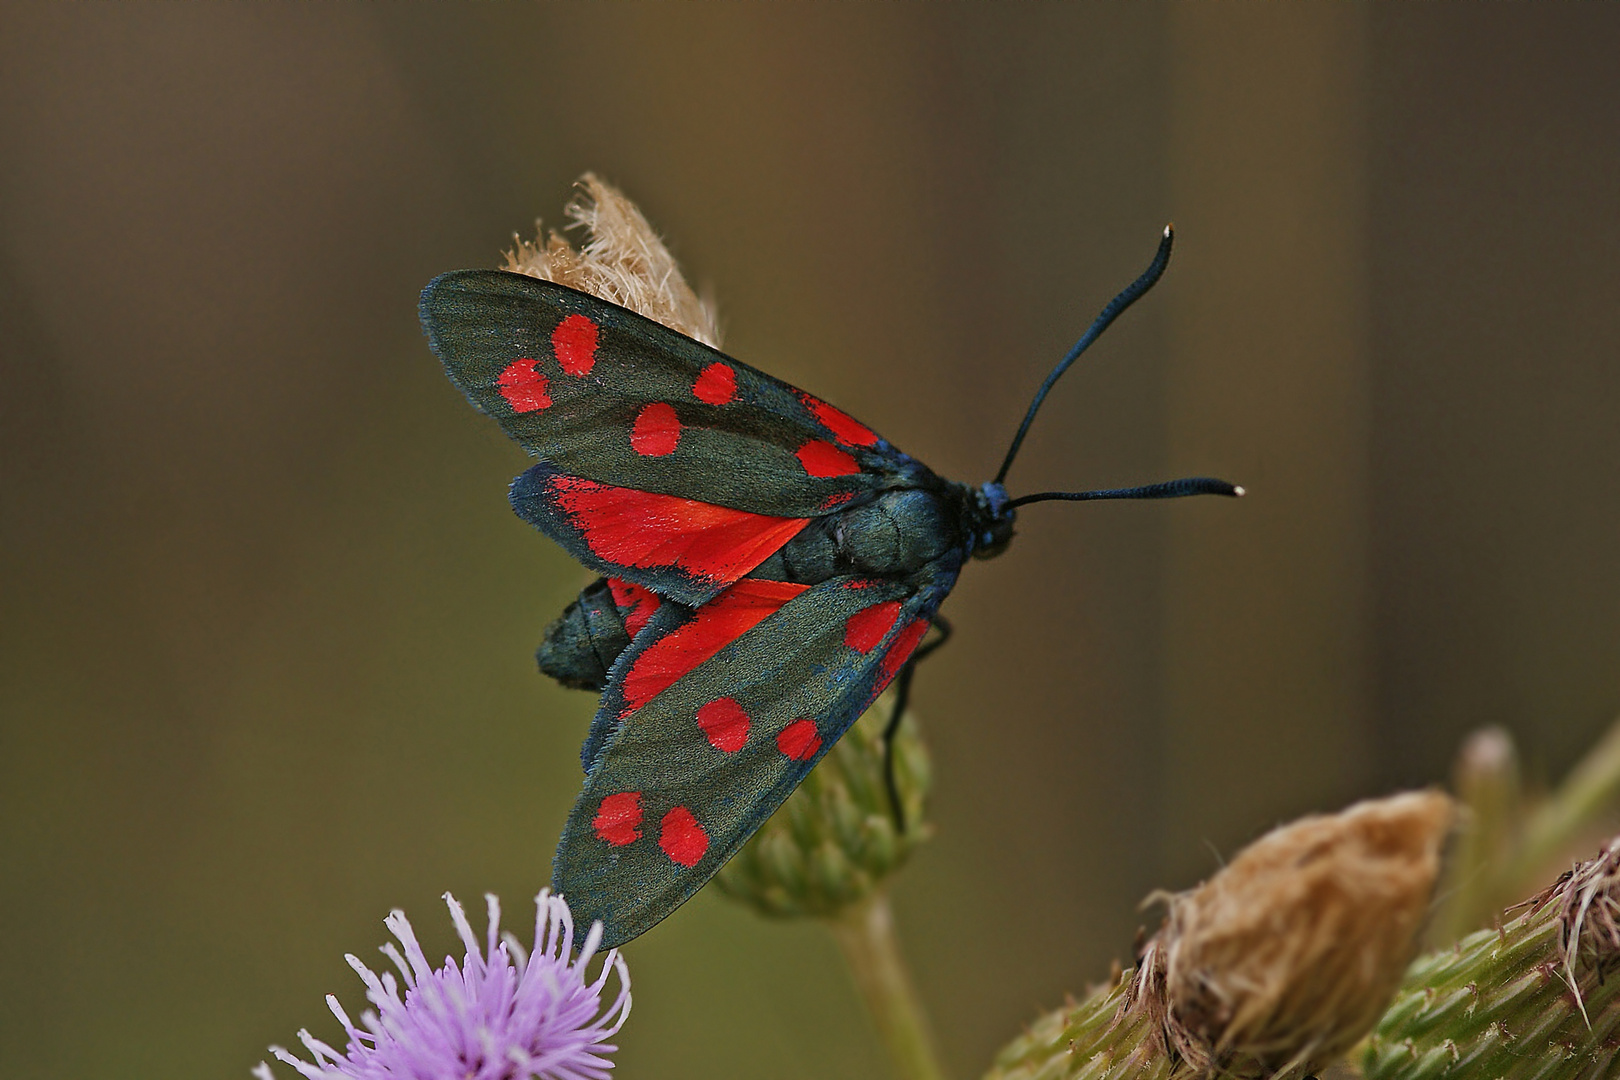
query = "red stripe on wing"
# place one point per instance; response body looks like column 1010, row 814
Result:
column 645, row 530
column 635, row 603
column 896, row 655
column 840, row 423
column 717, row 624
column 868, row 626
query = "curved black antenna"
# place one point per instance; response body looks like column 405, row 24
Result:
column 1169, row 489
column 1133, row 292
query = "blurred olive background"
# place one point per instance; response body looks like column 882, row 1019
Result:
column 268, row 619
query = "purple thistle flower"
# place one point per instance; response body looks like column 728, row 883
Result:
column 502, row 1015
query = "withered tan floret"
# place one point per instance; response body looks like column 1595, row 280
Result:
column 1283, row 960
column 622, row 260
column 1591, row 920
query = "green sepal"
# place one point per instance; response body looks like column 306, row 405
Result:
column 1095, row 1038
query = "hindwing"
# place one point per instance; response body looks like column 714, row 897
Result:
column 677, row 547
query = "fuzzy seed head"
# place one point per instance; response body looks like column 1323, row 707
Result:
column 621, row 261
column 1283, row 960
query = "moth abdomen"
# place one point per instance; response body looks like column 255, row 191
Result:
column 580, row 645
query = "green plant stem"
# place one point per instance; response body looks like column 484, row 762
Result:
column 866, row 935
column 1589, row 791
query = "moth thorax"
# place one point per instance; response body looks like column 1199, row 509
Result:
column 899, row 532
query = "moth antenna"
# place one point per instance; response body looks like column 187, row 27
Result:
column 1169, row 489
column 1132, row 293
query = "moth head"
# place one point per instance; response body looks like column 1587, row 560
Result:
column 993, row 521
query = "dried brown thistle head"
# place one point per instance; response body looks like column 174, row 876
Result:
column 1589, row 897
column 622, row 261
column 1282, row 960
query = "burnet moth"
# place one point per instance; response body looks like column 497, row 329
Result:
column 770, row 565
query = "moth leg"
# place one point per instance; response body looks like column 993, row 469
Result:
column 902, row 694
column 944, row 627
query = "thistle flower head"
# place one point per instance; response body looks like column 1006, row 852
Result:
column 1590, row 918
column 1284, row 959
column 501, row 1014
column 622, row 261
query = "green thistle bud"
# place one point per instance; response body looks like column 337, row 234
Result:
column 1486, row 780
column 1535, row 998
column 835, row 840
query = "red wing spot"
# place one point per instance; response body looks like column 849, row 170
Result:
column 898, row 652
column 824, row 459
column 896, row 655
column 866, row 627
column 840, row 423
column 717, row 624
column 724, row 724
column 682, row 838
column 657, row 430
column 635, row 603
column 524, row 388
column 645, row 530
column 574, row 343
column 618, row 819
column 716, row 384
column 799, row 741
column 836, row 500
